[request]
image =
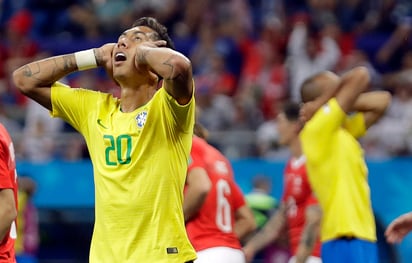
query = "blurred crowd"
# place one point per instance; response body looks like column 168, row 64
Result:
column 249, row 56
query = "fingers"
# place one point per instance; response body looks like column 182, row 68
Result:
column 395, row 233
column 394, row 237
column 160, row 43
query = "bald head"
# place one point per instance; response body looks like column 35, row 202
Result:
column 315, row 85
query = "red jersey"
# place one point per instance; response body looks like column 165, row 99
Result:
column 8, row 180
column 213, row 225
column 297, row 197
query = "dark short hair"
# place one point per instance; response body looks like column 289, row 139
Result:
column 291, row 110
column 161, row 30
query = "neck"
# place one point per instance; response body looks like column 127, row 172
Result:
column 133, row 98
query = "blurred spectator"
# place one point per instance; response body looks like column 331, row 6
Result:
column 113, row 16
column 17, row 49
column 357, row 58
column 217, row 110
column 9, row 7
column 75, row 148
column 267, row 138
column 267, row 141
column 351, row 15
column 39, row 134
column 265, row 87
column 205, row 45
column 28, row 240
column 264, row 9
column 309, row 52
column 263, row 82
column 399, row 38
column 83, row 22
column 11, row 124
column 196, row 13
column 168, row 12
column 51, row 18
column 216, row 79
column 260, row 200
column 247, row 116
column 392, row 136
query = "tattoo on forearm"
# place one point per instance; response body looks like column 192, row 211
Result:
column 171, row 68
column 141, row 57
column 309, row 236
column 48, row 73
column 68, row 64
column 171, row 73
column 27, row 71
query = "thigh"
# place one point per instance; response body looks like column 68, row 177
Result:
column 349, row 250
column 220, row 255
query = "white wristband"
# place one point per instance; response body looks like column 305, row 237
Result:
column 85, row 59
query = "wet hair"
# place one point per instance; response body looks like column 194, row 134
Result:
column 160, row 30
column 310, row 90
column 291, row 110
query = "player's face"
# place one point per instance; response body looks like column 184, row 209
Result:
column 286, row 129
column 124, row 53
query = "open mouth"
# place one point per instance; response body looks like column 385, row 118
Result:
column 120, row 57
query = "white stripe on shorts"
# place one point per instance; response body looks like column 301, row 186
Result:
column 220, row 255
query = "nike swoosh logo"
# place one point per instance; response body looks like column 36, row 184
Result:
column 99, row 121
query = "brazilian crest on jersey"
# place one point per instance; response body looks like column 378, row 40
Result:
column 141, row 119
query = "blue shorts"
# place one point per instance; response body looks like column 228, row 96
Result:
column 351, row 250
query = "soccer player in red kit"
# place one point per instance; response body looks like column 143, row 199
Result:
column 8, row 198
column 216, row 214
column 299, row 210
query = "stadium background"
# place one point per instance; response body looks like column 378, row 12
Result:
column 224, row 38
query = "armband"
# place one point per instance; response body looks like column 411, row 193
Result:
column 85, row 59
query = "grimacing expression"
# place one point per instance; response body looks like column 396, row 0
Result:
column 125, row 50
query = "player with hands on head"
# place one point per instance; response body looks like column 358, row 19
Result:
column 299, row 211
column 139, row 144
column 338, row 110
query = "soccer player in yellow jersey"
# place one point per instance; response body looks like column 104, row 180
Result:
column 139, row 144
column 337, row 111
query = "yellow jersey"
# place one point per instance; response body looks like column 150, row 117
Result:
column 139, row 161
column 338, row 173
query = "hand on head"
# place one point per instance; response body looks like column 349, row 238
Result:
column 142, row 48
column 307, row 110
column 104, row 57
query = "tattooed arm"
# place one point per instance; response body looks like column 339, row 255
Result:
column 172, row 66
column 269, row 233
column 36, row 78
column 309, row 234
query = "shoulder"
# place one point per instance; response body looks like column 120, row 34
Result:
column 62, row 90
